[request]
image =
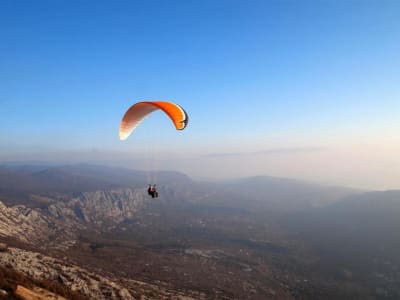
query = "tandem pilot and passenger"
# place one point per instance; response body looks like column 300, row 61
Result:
column 152, row 191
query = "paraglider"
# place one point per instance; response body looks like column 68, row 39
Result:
column 152, row 191
column 139, row 111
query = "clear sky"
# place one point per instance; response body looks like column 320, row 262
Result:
column 304, row 89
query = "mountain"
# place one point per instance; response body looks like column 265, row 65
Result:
column 272, row 194
column 366, row 219
column 19, row 183
column 252, row 238
column 357, row 237
column 385, row 202
column 43, row 273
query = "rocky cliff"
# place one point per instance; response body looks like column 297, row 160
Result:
column 111, row 206
column 40, row 267
column 91, row 285
column 57, row 224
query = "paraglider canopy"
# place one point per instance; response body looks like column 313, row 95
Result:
column 139, row 111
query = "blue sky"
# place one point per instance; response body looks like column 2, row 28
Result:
column 254, row 76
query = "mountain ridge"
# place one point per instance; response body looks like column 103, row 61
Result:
column 195, row 227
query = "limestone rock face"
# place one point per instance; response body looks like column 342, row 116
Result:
column 28, row 225
column 41, row 267
column 36, row 294
column 57, row 224
column 111, row 206
column 92, row 284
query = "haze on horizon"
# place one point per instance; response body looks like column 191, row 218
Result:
column 305, row 90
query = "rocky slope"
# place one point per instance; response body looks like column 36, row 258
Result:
column 90, row 284
column 36, row 293
column 57, row 223
column 41, row 267
column 111, row 206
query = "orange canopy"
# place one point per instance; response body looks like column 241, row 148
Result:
column 137, row 112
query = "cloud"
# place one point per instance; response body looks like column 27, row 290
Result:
column 271, row 151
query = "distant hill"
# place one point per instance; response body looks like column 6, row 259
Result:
column 356, row 215
column 277, row 194
column 264, row 193
column 17, row 182
column 371, row 203
column 360, row 233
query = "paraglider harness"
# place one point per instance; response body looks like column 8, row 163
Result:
column 152, row 191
